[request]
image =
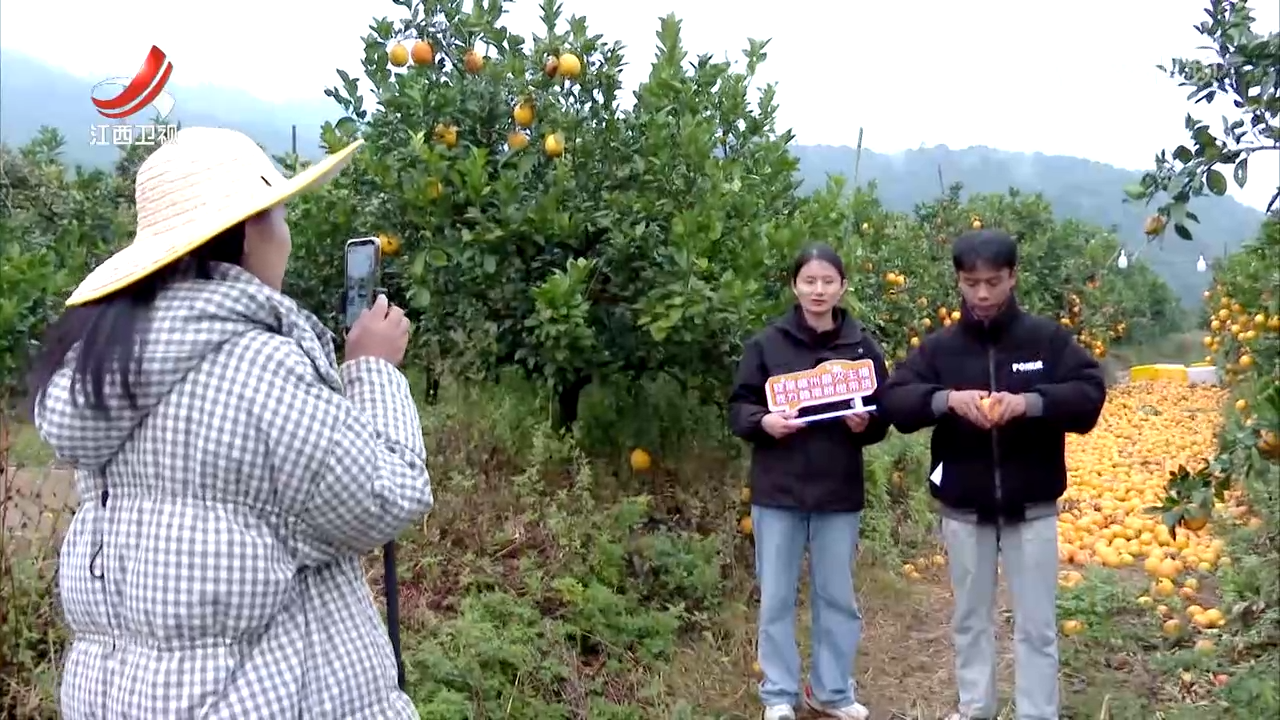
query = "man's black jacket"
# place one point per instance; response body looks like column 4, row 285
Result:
column 998, row 473
column 818, row 468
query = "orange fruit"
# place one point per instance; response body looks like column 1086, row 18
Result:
column 398, row 55
column 985, row 403
column 568, row 66
column 640, row 460
column 554, row 145
column 422, row 53
column 523, row 114
column 389, row 244
column 446, row 134
column 517, row 140
column 473, row 62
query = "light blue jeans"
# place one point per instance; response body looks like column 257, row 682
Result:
column 836, row 622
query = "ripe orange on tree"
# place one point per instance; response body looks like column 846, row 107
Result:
column 569, row 66
column 398, row 55
column 389, row 244
column 422, row 53
column 1153, row 225
column 523, row 114
column 446, row 134
column 554, row 145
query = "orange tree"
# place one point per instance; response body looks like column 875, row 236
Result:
column 1242, row 317
column 544, row 223
column 54, row 223
column 1242, row 313
column 903, row 285
column 1245, row 72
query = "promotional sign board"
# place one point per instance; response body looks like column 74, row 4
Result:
column 833, row 382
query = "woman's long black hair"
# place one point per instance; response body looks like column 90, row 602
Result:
column 111, row 331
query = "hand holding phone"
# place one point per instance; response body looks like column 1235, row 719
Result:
column 375, row 327
column 381, row 331
column 363, row 263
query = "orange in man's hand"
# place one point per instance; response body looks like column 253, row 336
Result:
column 988, row 406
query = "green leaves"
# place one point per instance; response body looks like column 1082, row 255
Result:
column 1245, row 70
column 54, row 226
column 605, row 260
column 1216, row 182
column 1240, row 173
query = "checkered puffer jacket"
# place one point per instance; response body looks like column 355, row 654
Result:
column 213, row 569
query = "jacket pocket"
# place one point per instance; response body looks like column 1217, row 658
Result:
column 962, row 484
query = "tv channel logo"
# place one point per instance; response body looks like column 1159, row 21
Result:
column 132, row 95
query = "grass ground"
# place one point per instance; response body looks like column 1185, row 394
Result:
column 535, row 592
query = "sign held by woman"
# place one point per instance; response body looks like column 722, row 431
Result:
column 833, row 382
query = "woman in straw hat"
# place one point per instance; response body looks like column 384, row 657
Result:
column 231, row 473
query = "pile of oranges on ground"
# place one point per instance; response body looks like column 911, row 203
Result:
column 1121, row 468
column 1116, row 473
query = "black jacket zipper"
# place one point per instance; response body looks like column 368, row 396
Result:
column 995, row 442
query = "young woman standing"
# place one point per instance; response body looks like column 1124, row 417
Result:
column 807, row 492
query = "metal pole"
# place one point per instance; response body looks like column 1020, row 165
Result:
column 391, row 585
column 857, row 159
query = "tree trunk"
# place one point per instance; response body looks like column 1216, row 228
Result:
column 567, row 402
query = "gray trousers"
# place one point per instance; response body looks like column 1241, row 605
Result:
column 1028, row 552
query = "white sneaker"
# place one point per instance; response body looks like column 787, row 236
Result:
column 779, row 712
column 961, row 715
column 854, row 711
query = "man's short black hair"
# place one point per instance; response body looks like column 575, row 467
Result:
column 991, row 249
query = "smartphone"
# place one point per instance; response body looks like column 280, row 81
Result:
column 363, row 260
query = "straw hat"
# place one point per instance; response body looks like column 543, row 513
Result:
column 199, row 183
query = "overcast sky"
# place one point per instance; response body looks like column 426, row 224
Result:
column 1069, row 78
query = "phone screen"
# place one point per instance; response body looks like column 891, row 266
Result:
column 362, row 276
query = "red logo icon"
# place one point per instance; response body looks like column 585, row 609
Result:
column 145, row 88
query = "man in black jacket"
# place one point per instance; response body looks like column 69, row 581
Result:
column 1003, row 389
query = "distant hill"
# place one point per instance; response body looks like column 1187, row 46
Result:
column 1075, row 187
column 35, row 94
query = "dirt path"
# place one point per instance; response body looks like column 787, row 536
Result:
column 37, row 503
column 905, row 666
